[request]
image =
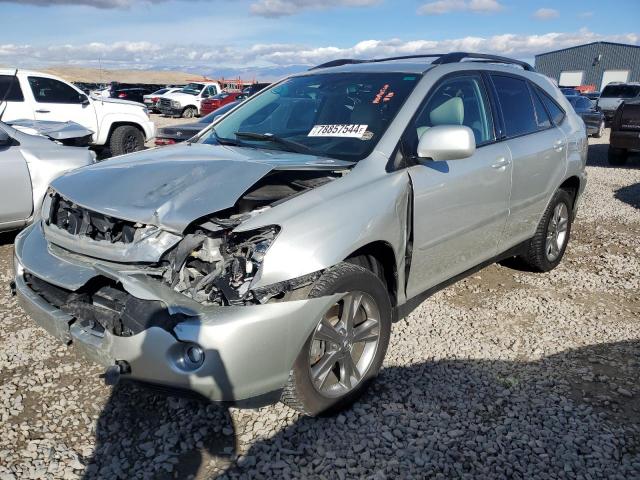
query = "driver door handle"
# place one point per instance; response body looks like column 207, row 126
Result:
column 43, row 111
column 501, row 162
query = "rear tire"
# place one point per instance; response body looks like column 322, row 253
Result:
column 549, row 243
column 617, row 156
column 189, row 112
column 600, row 131
column 125, row 139
column 341, row 356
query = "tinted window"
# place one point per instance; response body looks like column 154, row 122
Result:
column 457, row 101
column 557, row 114
column 48, row 90
column 10, row 83
column 516, row 104
column 541, row 114
column 621, row 91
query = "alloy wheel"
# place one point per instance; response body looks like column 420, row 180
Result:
column 557, row 231
column 344, row 344
column 131, row 143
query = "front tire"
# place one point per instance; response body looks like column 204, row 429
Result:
column 549, row 243
column 189, row 112
column 125, row 139
column 346, row 349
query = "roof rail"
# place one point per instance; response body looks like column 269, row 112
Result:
column 455, row 57
column 351, row 61
column 338, row 62
column 441, row 59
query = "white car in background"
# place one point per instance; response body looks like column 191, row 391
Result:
column 186, row 101
column 119, row 125
column 151, row 100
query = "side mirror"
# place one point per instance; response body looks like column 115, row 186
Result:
column 5, row 139
column 446, row 142
column 204, row 95
column 84, row 100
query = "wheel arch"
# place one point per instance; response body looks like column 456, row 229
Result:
column 115, row 125
column 572, row 186
column 379, row 258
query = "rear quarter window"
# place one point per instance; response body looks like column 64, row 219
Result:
column 556, row 113
column 10, row 90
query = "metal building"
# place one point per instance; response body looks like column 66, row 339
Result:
column 593, row 64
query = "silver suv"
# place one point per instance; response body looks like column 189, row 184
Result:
column 267, row 258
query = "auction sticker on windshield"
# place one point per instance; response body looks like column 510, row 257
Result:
column 350, row 131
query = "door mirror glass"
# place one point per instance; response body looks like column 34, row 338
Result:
column 446, row 142
column 5, row 139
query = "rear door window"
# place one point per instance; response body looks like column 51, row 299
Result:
column 10, row 90
column 516, row 104
column 49, row 90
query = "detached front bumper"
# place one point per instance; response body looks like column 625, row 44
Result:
column 248, row 350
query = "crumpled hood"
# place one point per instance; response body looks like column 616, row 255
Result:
column 173, row 186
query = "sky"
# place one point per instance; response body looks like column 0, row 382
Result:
column 269, row 38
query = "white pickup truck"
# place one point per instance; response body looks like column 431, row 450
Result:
column 119, row 125
column 186, row 102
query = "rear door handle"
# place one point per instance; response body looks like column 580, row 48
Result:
column 558, row 146
column 43, row 111
column 501, row 162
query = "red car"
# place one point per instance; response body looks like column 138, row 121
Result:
column 208, row 105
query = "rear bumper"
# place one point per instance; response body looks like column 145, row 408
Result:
column 248, row 350
column 626, row 139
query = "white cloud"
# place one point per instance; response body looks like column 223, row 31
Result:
column 215, row 58
column 102, row 4
column 440, row 7
column 281, row 8
column 546, row 14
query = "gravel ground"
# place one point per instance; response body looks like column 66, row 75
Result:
column 506, row 374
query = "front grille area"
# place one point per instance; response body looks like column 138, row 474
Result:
column 77, row 220
column 102, row 305
column 164, row 102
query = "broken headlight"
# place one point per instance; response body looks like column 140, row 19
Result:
column 219, row 267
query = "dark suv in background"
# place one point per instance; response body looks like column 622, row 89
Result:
column 625, row 132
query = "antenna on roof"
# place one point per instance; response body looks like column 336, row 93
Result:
column 6, row 93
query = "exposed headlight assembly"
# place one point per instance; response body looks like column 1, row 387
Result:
column 219, row 267
column 175, row 104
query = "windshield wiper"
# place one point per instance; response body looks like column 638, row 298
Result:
column 223, row 141
column 270, row 137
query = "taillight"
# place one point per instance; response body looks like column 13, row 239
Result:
column 164, row 141
column 154, row 99
column 122, row 95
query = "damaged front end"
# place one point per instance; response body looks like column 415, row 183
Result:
column 209, row 262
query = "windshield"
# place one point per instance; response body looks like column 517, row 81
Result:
column 339, row 115
column 161, row 91
column 192, row 88
column 621, row 91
